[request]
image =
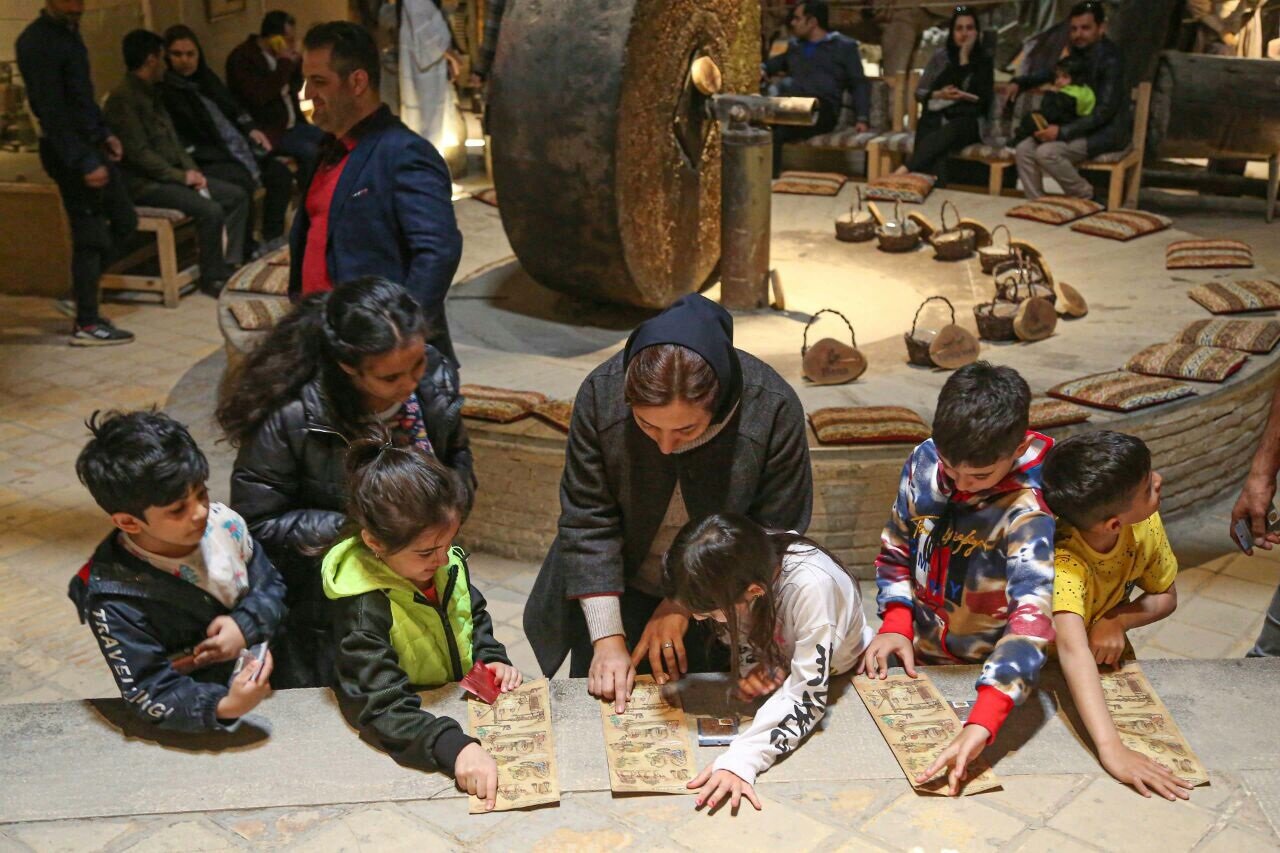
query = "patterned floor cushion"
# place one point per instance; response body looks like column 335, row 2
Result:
column 1256, row 336
column 987, row 151
column 259, row 314
column 261, row 276
column 911, row 188
column 1121, row 391
column 1237, row 297
column 868, row 425
column 1187, row 361
column 557, row 413
column 1208, row 255
column 1047, row 413
column 501, row 405
column 809, row 183
column 1055, row 209
column 1122, row 224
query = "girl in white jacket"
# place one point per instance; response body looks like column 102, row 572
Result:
column 793, row 612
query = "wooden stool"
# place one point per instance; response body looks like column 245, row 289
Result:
column 169, row 283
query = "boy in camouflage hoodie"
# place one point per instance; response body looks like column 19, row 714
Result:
column 965, row 572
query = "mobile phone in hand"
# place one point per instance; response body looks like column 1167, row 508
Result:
column 1244, row 536
column 252, row 656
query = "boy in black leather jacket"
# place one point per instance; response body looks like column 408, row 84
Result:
column 180, row 588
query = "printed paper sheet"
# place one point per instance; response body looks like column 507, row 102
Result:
column 918, row 724
column 648, row 744
column 516, row 731
column 1145, row 724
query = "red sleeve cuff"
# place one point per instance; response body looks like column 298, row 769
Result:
column 990, row 711
column 898, row 620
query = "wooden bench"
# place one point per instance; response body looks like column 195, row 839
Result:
column 1124, row 167
column 170, row 281
column 887, row 110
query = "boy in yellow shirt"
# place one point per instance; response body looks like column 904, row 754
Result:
column 1109, row 540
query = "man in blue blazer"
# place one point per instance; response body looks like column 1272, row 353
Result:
column 380, row 200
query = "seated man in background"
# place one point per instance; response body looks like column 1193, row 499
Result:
column 161, row 173
column 264, row 74
column 818, row 64
column 1057, row 149
column 221, row 135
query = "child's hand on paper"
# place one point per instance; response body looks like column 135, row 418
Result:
column 506, row 676
column 476, row 772
column 717, row 786
column 958, row 756
column 225, row 641
column 760, row 681
column 1134, row 768
column 875, row 660
column 1107, row 641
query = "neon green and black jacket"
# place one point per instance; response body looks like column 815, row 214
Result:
column 392, row 641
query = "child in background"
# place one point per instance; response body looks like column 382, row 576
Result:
column 793, row 613
column 1110, row 540
column 965, row 572
column 1067, row 100
column 407, row 616
column 180, row 588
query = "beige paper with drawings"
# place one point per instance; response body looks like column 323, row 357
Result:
column 516, row 731
column 648, row 744
column 918, row 724
column 1145, row 724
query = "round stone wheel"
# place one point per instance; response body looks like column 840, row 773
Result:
column 605, row 159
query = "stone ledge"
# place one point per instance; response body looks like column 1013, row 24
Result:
column 312, row 757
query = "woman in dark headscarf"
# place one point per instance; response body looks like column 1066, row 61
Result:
column 222, row 137
column 677, row 426
column 955, row 92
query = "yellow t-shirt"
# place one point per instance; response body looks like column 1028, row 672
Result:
column 1090, row 584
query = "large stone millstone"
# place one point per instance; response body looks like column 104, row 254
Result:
column 607, row 171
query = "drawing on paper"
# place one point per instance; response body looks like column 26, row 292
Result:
column 1145, row 725
column 648, row 744
column 516, row 731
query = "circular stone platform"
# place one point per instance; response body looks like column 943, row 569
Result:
column 514, row 333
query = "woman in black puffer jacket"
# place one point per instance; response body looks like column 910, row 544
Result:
column 341, row 364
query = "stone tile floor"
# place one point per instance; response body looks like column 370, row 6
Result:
column 49, row 526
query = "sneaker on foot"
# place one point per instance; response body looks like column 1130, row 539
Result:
column 99, row 334
column 66, row 306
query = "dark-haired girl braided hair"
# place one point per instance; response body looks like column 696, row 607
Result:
column 407, row 616
column 344, row 362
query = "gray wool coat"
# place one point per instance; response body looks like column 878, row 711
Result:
column 617, row 485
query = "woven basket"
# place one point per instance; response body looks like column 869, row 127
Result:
column 852, row 362
column 953, row 243
column 1026, row 273
column 904, row 239
column 918, row 348
column 993, row 255
column 995, row 318
column 858, row 226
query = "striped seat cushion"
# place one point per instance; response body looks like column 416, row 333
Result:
column 1055, row 209
column 161, row 213
column 1121, row 391
column 868, row 425
column 911, row 188
column 557, row 413
column 1256, row 336
column 1187, row 361
column 900, row 142
column 846, row 138
column 1237, row 297
column 254, row 315
column 809, row 183
column 261, row 276
column 1208, row 255
column 1122, row 224
column 986, row 152
column 501, row 405
column 1109, row 157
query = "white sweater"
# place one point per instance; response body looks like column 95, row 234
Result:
column 823, row 631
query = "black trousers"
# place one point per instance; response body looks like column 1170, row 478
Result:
column 703, row 652
column 936, row 140
column 784, row 133
column 277, row 180
column 101, row 221
column 229, row 207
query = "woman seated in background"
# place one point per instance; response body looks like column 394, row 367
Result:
column 955, row 91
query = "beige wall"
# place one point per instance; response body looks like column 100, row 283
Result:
column 106, row 21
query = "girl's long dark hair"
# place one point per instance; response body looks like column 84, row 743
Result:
column 712, row 562
column 366, row 317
